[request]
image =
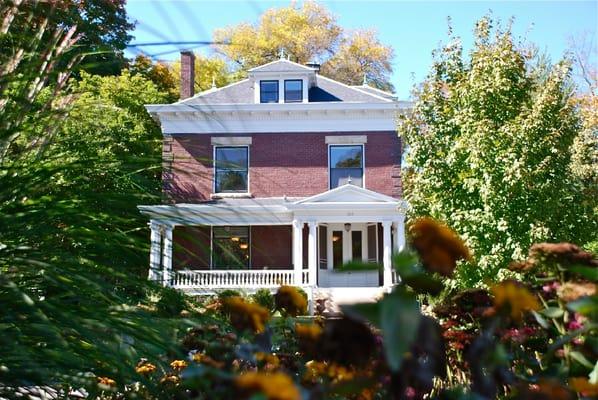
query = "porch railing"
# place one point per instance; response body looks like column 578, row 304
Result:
column 217, row 279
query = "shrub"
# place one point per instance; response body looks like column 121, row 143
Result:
column 172, row 301
column 264, row 298
column 228, row 293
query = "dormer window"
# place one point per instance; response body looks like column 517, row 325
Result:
column 268, row 91
column 293, row 91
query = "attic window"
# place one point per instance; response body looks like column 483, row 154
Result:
column 293, row 91
column 268, row 91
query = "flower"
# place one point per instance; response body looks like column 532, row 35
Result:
column 346, row 341
column 545, row 389
column 103, row 380
column 290, row 300
column 582, row 385
column 170, row 379
column 207, row 360
column 514, row 297
column 562, row 253
column 270, row 361
column 178, row 365
column 570, row 291
column 439, row 248
column 244, row 315
column 308, row 331
column 274, row 386
column 145, row 368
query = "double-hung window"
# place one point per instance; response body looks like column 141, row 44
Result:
column 230, row 247
column 268, row 91
column 231, row 169
column 346, row 165
column 293, row 91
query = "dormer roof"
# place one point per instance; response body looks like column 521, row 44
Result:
column 282, row 66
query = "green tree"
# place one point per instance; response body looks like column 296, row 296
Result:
column 308, row 32
column 208, row 71
column 489, row 148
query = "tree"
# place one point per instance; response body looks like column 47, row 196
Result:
column 208, row 71
column 489, row 144
column 308, row 33
column 159, row 73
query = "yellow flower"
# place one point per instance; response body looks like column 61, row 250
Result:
column 178, row 365
column 515, row 297
column 103, row 380
column 207, row 360
column 439, row 247
column 145, row 368
column 244, row 315
column 170, row 379
column 582, row 385
column 308, row 331
column 290, row 300
column 274, row 386
column 315, row 369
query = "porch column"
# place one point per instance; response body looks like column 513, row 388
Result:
column 312, row 254
column 298, row 251
column 155, row 251
column 386, row 253
column 399, row 234
column 167, row 255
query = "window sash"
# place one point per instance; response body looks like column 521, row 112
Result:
column 268, row 95
column 236, row 172
column 231, row 247
column 293, row 95
column 339, row 175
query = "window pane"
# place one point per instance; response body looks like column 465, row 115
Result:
column 231, row 181
column 345, row 156
column 231, row 158
column 340, row 176
column 356, row 245
column 231, row 247
column 293, row 91
column 269, row 91
column 337, row 248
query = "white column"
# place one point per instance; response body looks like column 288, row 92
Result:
column 400, row 234
column 312, row 254
column 155, row 251
column 167, row 255
column 298, row 251
column 386, row 253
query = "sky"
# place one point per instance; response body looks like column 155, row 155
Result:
column 413, row 28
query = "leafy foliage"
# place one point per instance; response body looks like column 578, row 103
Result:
column 489, row 148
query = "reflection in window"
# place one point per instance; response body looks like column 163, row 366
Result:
column 268, row 91
column 356, row 245
column 293, row 91
column 230, row 247
column 346, row 165
column 231, row 169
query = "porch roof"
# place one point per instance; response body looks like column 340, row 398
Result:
column 347, row 203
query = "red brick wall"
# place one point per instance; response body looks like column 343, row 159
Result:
column 295, row 165
column 191, row 247
column 271, row 246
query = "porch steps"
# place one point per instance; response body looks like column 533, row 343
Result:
column 333, row 298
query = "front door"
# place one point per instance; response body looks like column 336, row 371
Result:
column 344, row 243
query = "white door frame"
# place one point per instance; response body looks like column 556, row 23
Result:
column 347, row 247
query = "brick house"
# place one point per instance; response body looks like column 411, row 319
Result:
column 281, row 178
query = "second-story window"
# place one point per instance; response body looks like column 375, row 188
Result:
column 346, row 165
column 268, row 91
column 231, row 169
column 293, row 91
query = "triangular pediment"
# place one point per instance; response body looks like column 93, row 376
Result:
column 348, row 194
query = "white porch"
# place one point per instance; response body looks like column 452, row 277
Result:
column 329, row 219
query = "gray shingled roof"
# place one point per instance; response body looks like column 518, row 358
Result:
column 326, row 89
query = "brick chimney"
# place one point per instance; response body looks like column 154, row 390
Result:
column 187, row 74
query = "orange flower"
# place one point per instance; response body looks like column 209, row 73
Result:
column 245, row 315
column 308, row 331
column 103, row 380
column 439, row 248
column 270, row 361
column 207, row 360
column 274, row 386
column 582, row 385
column 170, row 379
column 145, row 368
column 178, row 365
column 562, row 253
column 291, row 301
column 514, row 297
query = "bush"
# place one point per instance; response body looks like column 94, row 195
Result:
column 264, row 298
column 228, row 293
column 172, row 302
column 357, row 266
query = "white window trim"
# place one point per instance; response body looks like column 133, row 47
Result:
column 230, row 141
column 362, row 161
column 214, row 194
column 349, row 139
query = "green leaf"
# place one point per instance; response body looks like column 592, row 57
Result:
column 371, row 312
column 587, row 272
column 543, row 323
column 580, row 358
column 400, row 316
column 587, row 305
column 406, row 263
column 423, row 284
column 593, row 377
column 553, row 312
